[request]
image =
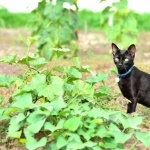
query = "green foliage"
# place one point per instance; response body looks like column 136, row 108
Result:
column 89, row 20
column 94, row 20
column 143, row 21
column 58, row 109
column 86, row 18
column 15, row 20
column 57, row 27
column 123, row 28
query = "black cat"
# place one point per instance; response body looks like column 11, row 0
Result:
column 133, row 83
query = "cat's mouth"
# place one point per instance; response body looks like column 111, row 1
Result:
column 122, row 68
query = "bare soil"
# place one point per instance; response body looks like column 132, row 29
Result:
column 94, row 51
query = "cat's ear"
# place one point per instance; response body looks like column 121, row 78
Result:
column 132, row 49
column 115, row 49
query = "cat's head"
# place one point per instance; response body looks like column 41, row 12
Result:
column 124, row 59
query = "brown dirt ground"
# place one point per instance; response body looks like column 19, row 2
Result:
column 94, row 51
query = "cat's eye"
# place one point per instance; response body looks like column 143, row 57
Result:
column 116, row 59
column 126, row 59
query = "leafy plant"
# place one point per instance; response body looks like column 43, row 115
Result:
column 58, row 109
column 122, row 26
column 57, row 27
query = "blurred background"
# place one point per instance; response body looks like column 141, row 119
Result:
column 85, row 27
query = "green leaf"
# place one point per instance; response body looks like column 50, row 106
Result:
column 33, row 128
column 103, row 91
column 9, row 59
column 102, row 76
column 69, row 87
column 92, row 79
column 109, row 143
column 25, row 60
column 144, row 137
column 34, row 144
column 121, row 5
column 51, row 146
column 87, row 134
column 38, row 115
column 54, row 88
column 16, row 134
column 58, row 103
column 128, row 122
column 97, row 78
column 2, row 111
column 20, row 117
column 6, row 81
column 38, row 63
column 102, row 113
column 77, row 61
column 22, row 140
column 49, row 89
column 90, row 144
column 1, row 99
column 75, row 145
column 58, row 68
column 49, row 126
column 46, row 105
column 85, row 68
column 113, row 127
column 61, row 49
column 55, row 9
column 30, row 40
column 61, row 142
column 102, row 132
column 23, row 101
column 73, row 72
column 83, row 88
column 14, row 127
column 73, row 123
column 114, row 70
column 119, row 136
column 74, row 137
column 98, row 121
column 10, row 111
column 96, row 148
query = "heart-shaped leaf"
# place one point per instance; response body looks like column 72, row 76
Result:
column 73, row 123
column 144, row 137
column 34, row 144
column 23, row 101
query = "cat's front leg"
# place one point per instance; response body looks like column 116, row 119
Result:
column 131, row 107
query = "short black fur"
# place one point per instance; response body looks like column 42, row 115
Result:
column 135, row 86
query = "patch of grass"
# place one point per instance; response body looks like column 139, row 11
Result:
column 87, row 19
column 8, row 19
column 143, row 21
column 91, row 20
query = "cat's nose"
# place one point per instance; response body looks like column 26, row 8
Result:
column 120, row 64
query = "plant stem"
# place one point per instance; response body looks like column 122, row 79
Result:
column 21, row 67
column 27, row 58
column 134, row 144
column 73, row 98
